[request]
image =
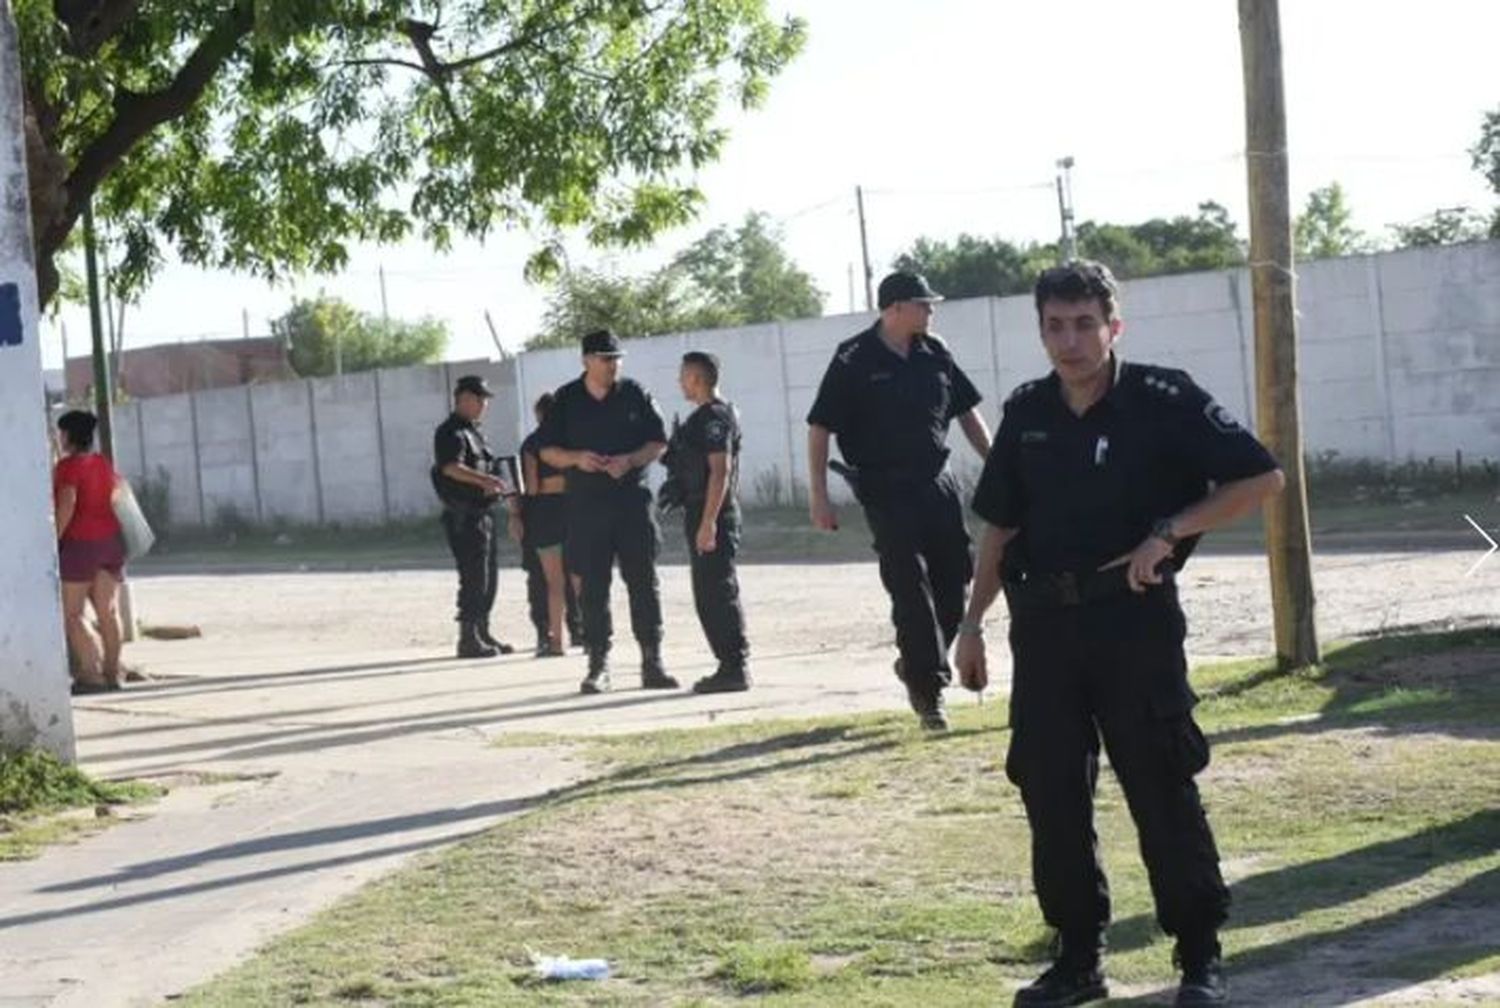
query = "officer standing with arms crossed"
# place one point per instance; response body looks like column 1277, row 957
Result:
column 705, row 454
column 604, row 430
column 462, row 475
column 889, row 395
column 1103, row 476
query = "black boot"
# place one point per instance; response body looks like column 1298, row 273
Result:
column 486, row 638
column 470, row 645
column 1203, row 984
column 926, row 700
column 597, row 681
column 1074, row 978
column 728, row 678
column 653, row 675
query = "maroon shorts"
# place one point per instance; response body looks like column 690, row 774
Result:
column 82, row 559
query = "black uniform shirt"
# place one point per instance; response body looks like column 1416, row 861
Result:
column 618, row 424
column 1086, row 490
column 458, row 440
column 889, row 413
column 712, row 428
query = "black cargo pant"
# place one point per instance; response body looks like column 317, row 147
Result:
column 471, row 538
column 925, row 564
column 1114, row 669
column 716, row 586
column 603, row 527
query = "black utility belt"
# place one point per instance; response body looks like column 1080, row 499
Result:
column 1073, row 589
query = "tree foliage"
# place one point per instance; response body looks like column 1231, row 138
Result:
column 1324, row 230
column 1486, row 152
column 973, row 266
column 729, row 277
column 325, row 335
column 1448, row 226
column 268, row 135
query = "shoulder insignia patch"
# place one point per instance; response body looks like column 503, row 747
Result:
column 1223, row 420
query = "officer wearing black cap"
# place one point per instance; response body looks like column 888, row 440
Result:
column 889, row 396
column 1103, row 476
column 463, row 475
column 604, row 430
column 705, row 466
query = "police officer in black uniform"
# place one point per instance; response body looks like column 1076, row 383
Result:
column 889, row 396
column 705, row 466
column 604, row 430
column 1102, row 478
column 463, row 475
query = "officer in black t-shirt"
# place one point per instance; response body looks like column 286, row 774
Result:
column 464, row 478
column 889, row 395
column 1102, row 477
column 604, row 430
column 705, row 465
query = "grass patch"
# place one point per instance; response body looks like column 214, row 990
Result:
column 756, row 969
column 856, row 861
column 35, row 788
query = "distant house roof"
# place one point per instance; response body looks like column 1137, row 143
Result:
column 174, row 368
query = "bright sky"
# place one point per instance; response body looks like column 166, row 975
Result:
column 951, row 114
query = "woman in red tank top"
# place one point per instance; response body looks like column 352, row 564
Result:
column 91, row 557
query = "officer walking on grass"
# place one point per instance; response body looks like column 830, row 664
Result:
column 889, row 396
column 1103, row 476
column 603, row 431
column 463, row 476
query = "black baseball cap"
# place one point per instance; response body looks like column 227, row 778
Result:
column 602, row 343
column 475, row 384
column 903, row 286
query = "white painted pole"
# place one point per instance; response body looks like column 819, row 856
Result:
column 34, row 707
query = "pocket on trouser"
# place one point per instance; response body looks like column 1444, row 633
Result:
column 1181, row 743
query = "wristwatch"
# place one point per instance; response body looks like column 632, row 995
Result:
column 970, row 628
column 1163, row 531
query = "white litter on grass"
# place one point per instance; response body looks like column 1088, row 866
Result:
column 566, row 968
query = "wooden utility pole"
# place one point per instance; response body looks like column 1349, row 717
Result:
column 103, row 392
column 1278, row 411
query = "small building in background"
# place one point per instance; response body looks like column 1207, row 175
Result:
column 174, row 368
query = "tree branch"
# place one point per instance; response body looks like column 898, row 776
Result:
column 91, row 23
column 136, row 115
column 382, row 61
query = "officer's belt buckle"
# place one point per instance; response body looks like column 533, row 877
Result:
column 1067, row 589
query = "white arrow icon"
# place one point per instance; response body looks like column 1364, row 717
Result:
column 1493, row 545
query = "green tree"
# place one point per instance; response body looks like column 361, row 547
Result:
column 1207, row 241
column 325, row 334
column 267, row 135
column 582, row 300
column 1323, row 229
column 1446, row 227
column 972, row 266
column 745, row 275
column 1486, row 153
column 726, row 278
